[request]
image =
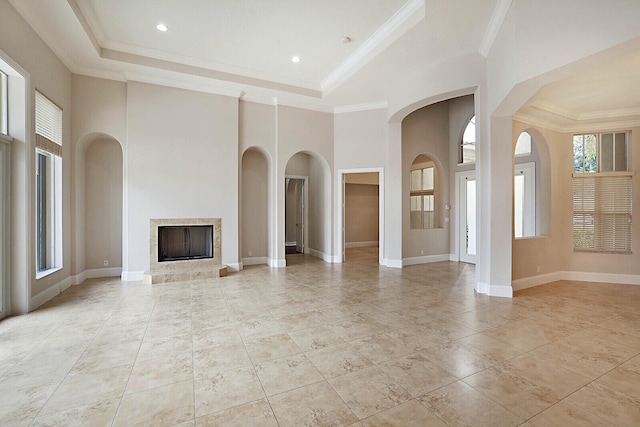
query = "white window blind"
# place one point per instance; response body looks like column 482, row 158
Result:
column 48, row 125
column 602, row 208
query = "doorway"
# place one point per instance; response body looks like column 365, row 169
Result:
column 466, row 230
column 295, row 214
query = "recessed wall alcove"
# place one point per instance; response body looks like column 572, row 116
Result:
column 185, row 249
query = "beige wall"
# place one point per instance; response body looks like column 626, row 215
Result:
column 255, row 204
column 361, row 213
column 426, row 131
column 181, row 162
column 103, row 204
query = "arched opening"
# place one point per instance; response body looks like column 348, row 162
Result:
column 307, row 209
column 531, row 186
column 254, row 230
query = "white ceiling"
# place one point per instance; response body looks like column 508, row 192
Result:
column 245, row 47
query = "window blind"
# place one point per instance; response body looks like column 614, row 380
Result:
column 48, row 125
column 602, row 208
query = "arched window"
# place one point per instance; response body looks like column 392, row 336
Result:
column 468, row 143
column 423, row 183
column 524, row 188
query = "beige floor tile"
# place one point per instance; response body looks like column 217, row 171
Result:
column 315, row 338
column 312, row 405
column 612, row 406
column 527, row 385
column 229, row 388
column 211, row 361
column 19, row 405
column 94, row 414
column 623, row 380
column 161, row 406
column 458, row 404
column 566, row 414
column 287, row 373
column 158, row 372
column 256, row 413
column 83, row 388
column 379, row 348
column 533, row 332
column 409, row 414
column 338, row 360
column 271, row 347
column 416, row 374
column 164, row 347
column 369, row 391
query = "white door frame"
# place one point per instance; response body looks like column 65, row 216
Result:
column 340, row 246
column 5, row 164
column 460, row 214
column 305, row 211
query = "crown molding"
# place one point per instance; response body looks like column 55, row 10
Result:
column 577, row 126
column 406, row 17
column 497, row 18
column 361, row 107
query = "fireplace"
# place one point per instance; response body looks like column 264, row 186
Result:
column 185, row 249
column 177, row 243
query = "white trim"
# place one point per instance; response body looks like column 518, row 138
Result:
column 361, row 107
column 497, row 18
column 530, row 282
column 49, row 293
column 394, row 263
column 404, row 19
column 504, row 291
column 426, row 259
column 132, row 276
column 454, row 258
column 235, row 266
column 340, row 210
column 361, row 244
column 482, row 288
column 319, row 254
column 256, row 260
column 277, row 263
column 578, row 276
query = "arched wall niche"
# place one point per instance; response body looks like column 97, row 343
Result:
column 255, row 201
column 99, row 203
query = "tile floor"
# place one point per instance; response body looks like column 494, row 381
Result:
column 325, row 345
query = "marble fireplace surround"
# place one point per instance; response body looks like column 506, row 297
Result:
column 180, row 270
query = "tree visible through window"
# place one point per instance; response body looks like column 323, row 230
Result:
column 468, row 144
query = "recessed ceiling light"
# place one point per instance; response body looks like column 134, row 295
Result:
column 295, row 59
column 162, row 27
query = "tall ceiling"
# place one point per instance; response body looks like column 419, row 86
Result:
column 351, row 51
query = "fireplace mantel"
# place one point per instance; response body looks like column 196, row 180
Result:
column 180, row 270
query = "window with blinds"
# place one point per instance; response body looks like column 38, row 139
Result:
column 48, row 125
column 602, row 212
column 48, row 179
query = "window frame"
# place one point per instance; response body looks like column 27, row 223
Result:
column 48, row 186
column 462, row 144
column 422, row 193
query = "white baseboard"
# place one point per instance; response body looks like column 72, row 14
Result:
column 530, row 282
column 361, row 244
column 426, row 259
column 578, row 276
column 235, row 266
column 96, row 273
column 256, row 260
column 454, row 258
column 482, row 288
column 319, row 254
column 44, row 296
column 394, row 263
column 132, row 276
column 504, row 291
column 277, row 263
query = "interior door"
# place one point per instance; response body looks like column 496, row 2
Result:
column 467, row 222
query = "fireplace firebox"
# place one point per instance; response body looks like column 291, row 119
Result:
column 177, row 243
